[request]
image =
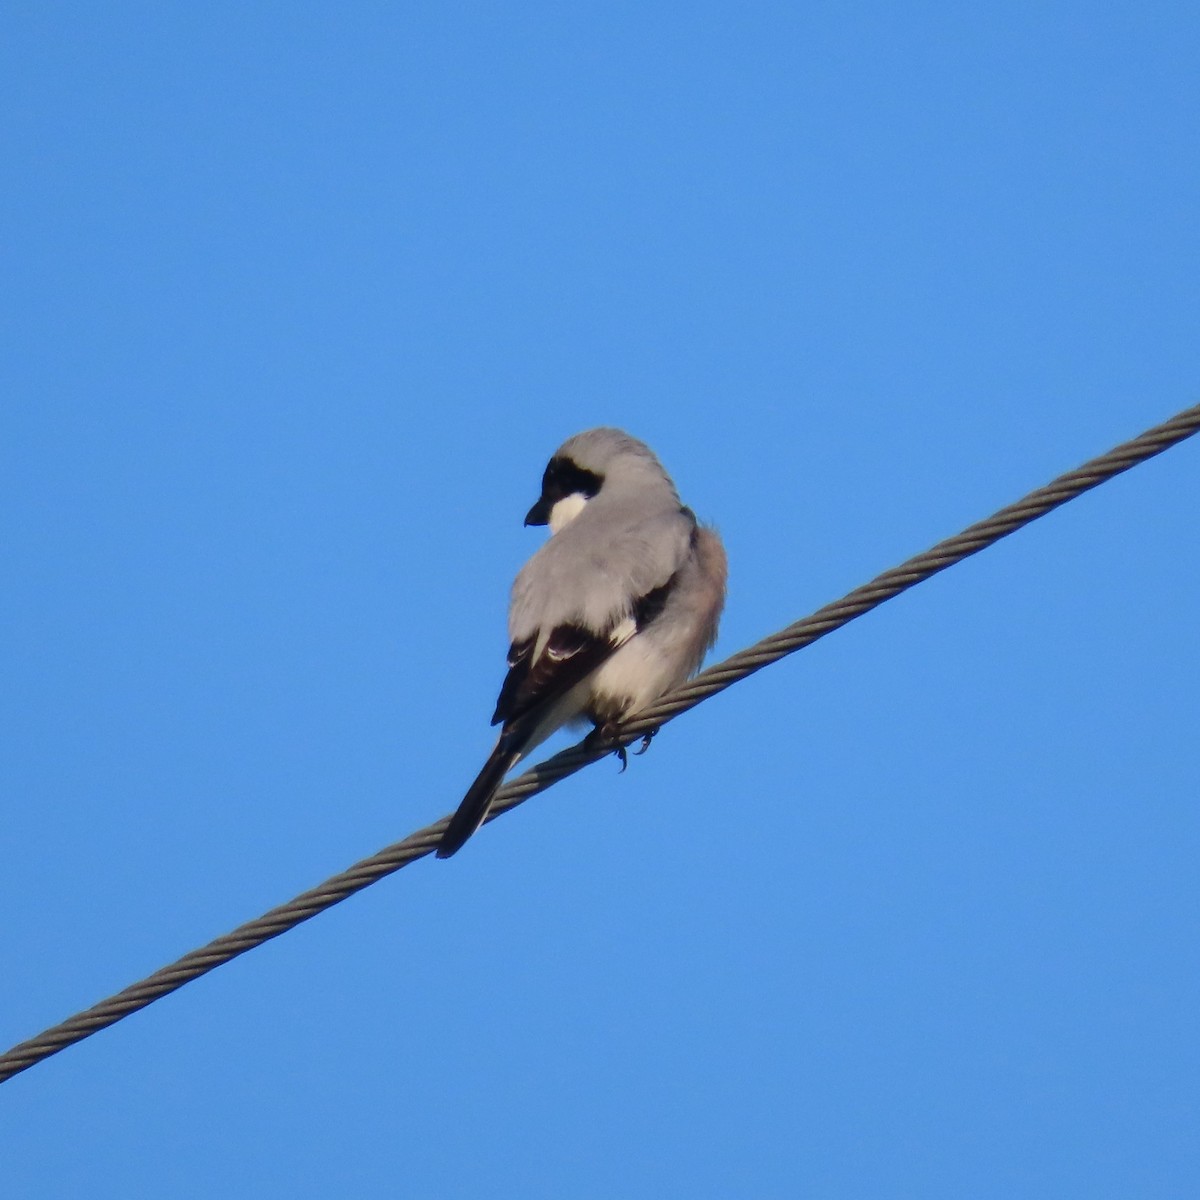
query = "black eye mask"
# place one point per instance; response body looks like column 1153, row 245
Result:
column 562, row 478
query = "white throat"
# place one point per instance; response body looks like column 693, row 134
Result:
column 566, row 510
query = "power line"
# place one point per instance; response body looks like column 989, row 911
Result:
column 803, row 633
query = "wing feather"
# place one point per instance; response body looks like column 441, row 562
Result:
column 570, row 654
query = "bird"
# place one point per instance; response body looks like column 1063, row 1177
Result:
column 620, row 604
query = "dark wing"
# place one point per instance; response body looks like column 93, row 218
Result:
column 650, row 606
column 571, row 653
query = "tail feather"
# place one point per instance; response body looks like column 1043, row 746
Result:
column 475, row 804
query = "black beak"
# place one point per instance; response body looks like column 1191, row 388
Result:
column 539, row 514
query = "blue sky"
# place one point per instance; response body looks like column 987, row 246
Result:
column 298, row 301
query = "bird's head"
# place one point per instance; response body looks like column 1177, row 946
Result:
column 584, row 465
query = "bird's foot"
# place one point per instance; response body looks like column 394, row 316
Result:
column 607, row 732
column 646, row 740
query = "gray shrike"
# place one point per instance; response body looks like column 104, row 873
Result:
column 620, row 605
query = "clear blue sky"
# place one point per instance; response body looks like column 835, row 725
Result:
column 297, row 301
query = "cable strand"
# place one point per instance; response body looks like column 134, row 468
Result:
column 708, row 683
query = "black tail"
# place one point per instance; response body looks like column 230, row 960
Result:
column 478, row 799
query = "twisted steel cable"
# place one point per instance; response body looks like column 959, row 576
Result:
column 716, row 679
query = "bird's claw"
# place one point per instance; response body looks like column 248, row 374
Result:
column 608, row 732
column 646, row 740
